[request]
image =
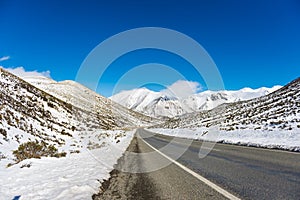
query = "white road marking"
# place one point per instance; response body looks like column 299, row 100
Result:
column 199, row 177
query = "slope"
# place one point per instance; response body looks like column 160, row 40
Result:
column 31, row 114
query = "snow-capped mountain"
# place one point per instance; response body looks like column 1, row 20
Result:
column 159, row 104
column 64, row 114
column 150, row 103
column 277, row 111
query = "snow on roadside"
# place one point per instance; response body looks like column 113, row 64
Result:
column 281, row 139
column 76, row 176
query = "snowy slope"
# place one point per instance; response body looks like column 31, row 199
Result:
column 270, row 120
column 30, row 114
column 84, row 98
column 158, row 104
column 208, row 100
column 150, row 103
column 58, row 115
column 73, row 126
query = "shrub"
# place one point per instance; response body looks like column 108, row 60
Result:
column 3, row 132
column 231, row 128
column 63, row 132
column 51, row 105
column 9, row 164
column 61, row 154
column 2, row 156
column 75, row 151
column 35, row 149
column 26, row 165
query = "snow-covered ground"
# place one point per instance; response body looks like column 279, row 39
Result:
column 74, row 121
column 76, row 176
column 282, row 139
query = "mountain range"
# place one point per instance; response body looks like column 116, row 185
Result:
column 67, row 115
column 278, row 111
column 159, row 104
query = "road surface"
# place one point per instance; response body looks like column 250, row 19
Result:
column 229, row 171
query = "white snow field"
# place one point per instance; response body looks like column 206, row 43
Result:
column 77, row 176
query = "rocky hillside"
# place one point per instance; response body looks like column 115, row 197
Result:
column 60, row 119
column 279, row 110
column 81, row 97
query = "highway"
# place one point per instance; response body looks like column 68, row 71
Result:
column 227, row 172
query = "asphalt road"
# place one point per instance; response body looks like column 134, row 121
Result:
column 244, row 172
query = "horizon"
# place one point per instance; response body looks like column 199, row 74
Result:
column 250, row 49
column 21, row 73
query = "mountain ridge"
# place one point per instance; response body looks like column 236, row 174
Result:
column 159, row 104
column 279, row 110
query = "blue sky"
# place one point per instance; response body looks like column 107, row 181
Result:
column 253, row 43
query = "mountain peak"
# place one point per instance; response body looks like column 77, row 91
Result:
column 277, row 111
column 160, row 104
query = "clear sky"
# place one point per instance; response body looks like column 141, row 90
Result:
column 253, row 43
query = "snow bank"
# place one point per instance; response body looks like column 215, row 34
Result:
column 281, row 139
column 76, row 176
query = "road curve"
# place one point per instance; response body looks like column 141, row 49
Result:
column 243, row 172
